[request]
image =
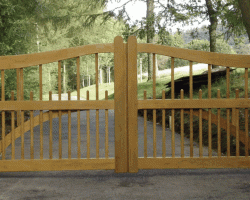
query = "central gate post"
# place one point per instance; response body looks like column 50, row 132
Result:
column 132, row 105
column 120, row 107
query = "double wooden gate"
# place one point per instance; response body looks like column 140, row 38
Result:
column 127, row 140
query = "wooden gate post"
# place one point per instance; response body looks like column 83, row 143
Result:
column 132, row 105
column 120, row 107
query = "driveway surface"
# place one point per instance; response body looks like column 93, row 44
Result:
column 106, row 184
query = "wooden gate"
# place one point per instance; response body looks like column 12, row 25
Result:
column 171, row 156
column 125, row 106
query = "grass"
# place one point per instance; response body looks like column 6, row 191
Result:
column 144, row 85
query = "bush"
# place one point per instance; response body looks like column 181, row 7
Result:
column 201, row 45
column 204, row 45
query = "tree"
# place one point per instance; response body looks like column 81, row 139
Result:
column 170, row 13
column 17, row 33
column 233, row 14
column 150, row 33
column 244, row 6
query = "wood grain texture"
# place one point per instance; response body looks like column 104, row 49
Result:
column 194, row 163
column 132, row 105
column 227, row 60
column 192, row 103
column 120, row 99
column 57, row 105
column 27, row 60
column 56, row 164
column 145, row 128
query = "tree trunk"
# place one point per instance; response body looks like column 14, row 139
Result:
column 212, row 27
column 150, row 34
column 245, row 11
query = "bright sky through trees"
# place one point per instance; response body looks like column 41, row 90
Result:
column 137, row 10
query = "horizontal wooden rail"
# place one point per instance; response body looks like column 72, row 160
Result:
column 227, row 60
column 192, row 103
column 223, row 124
column 56, row 164
column 27, row 60
column 194, row 163
column 57, row 105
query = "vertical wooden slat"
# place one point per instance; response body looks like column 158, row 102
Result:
column 154, row 110
column 209, row 114
column 237, row 126
column 191, row 110
column 41, row 134
column 41, row 82
column 12, row 130
column 22, row 113
column 228, row 132
column 228, row 111
column 182, row 126
column 163, row 128
column 22, row 135
column 97, row 133
column 106, row 128
column 154, row 77
column 21, row 84
column 132, row 105
column 78, row 111
column 96, row 76
column 3, row 115
column 97, row 111
column 60, row 134
column 145, row 128
column 228, row 80
column 69, row 129
column 18, row 94
column 88, row 129
column 78, row 77
column 50, row 129
column 219, row 130
column 191, row 80
column 60, row 112
column 121, row 140
column 209, row 81
column 41, row 112
column 172, row 111
column 154, row 133
column 172, row 78
column 31, row 130
column 200, row 127
column 78, row 135
column 246, row 113
column 59, row 80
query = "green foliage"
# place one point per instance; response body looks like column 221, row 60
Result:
column 16, row 26
column 176, row 40
column 201, row 45
column 223, row 47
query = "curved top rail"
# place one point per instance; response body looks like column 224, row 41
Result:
column 27, row 60
column 226, row 60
